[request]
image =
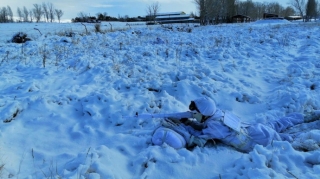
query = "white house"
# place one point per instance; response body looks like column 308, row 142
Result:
column 171, row 17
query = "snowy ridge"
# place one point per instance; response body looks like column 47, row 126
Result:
column 65, row 120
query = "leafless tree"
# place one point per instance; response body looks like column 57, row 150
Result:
column 59, row 14
column 255, row 10
column 215, row 11
column 311, row 10
column 83, row 16
column 274, row 8
column 202, row 10
column 45, row 11
column 152, row 11
column 51, row 11
column 260, row 8
column 247, row 8
column 25, row 14
column 3, row 14
column 299, row 5
column 211, row 11
column 20, row 14
column 289, row 11
column 10, row 14
column 31, row 15
column 37, row 12
column 318, row 9
column 222, row 11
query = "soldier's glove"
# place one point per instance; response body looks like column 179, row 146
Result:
column 185, row 121
column 196, row 141
column 198, row 116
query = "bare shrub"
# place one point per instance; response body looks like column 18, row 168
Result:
column 97, row 28
column 1, row 169
column 20, row 37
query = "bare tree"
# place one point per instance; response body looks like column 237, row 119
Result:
column 215, row 11
column 318, row 9
column 152, row 11
column 51, row 11
column 20, row 15
column 25, row 14
column 299, row 6
column 311, row 10
column 83, row 16
column 260, row 9
column 3, row 15
column 247, row 8
column 10, row 14
column 208, row 9
column 289, row 11
column 31, row 15
column 45, row 11
column 37, row 12
column 59, row 14
column 275, row 8
column 202, row 11
column 222, row 11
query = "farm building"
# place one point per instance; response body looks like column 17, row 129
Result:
column 292, row 18
column 170, row 17
column 240, row 18
column 271, row 16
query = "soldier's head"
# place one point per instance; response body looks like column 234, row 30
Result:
column 205, row 106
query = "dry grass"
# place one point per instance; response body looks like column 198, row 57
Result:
column 1, row 169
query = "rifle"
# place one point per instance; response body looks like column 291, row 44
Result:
column 176, row 116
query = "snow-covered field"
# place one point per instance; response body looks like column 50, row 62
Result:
column 62, row 98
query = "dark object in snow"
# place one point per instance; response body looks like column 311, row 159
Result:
column 14, row 115
column 20, row 37
column 70, row 34
column 152, row 89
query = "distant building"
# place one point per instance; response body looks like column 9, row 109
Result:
column 271, row 16
column 240, row 18
column 170, row 17
column 292, row 18
column 268, row 15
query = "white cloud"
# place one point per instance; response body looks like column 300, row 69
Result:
column 102, row 5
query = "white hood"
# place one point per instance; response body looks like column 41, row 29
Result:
column 206, row 106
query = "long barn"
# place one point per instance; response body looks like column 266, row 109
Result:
column 171, row 17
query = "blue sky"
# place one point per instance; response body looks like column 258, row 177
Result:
column 132, row 8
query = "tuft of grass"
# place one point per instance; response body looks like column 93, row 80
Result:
column 97, row 28
column 1, row 169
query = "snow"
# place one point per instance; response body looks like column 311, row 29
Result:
column 65, row 119
column 272, row 21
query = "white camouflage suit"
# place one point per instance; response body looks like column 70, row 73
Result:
column 241, row 136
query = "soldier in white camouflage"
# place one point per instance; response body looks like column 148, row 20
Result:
column 205, row 122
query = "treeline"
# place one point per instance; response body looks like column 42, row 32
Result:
column 221, row 11
column 82, row 17
column 44, row 11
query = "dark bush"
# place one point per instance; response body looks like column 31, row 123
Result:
column 97, row 27
column 20, row 37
